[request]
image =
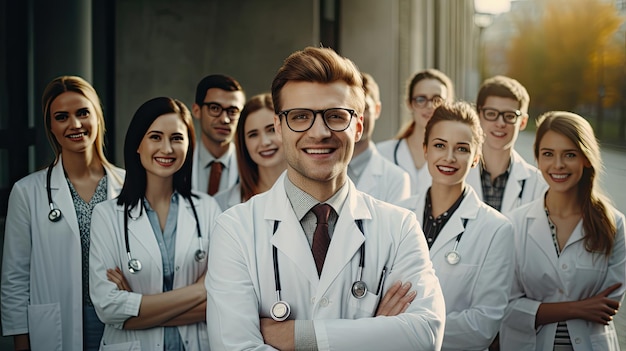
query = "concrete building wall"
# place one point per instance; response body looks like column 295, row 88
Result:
column 164, row 47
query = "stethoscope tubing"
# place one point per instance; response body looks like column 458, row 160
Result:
column 55, row 213
column 134, row 265
column 284, row 307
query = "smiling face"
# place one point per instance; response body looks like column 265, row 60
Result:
column 561, row 162
column 73, row 122
column 428, row 88
column 218, row 130
column 318, row 156
column 450, row 152
column 262, row 142
column 498, row 134
column 164, row 146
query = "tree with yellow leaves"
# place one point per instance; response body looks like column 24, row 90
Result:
column 568, row 53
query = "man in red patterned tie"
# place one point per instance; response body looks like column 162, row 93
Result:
column 303, row 266
column 218, row 103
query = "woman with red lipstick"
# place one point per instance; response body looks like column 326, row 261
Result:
column 45, row 292
column 570, row 250
column 425, row 91
column 471, row 244
column 148, row 251
column 260, row 157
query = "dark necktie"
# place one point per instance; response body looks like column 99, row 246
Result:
column 214, row 177
column 321, row 239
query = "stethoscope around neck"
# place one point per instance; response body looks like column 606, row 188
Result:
column 281, row 310
column 453, row 257
column 55, row 214
column 134, row 265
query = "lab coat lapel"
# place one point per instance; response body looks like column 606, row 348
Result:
column 371, row 177
column 289, row 238
column 347, row 238
column 513, row 189
column 538, row 230
column 233, row 172
column 113, row 186
column 467, row 210
column 62, row 197
column 186, row 235
column 139, row 227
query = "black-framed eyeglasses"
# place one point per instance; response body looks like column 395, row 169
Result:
column 215, row 110
column 423, row 100
column 302, row 119
column 509, row 117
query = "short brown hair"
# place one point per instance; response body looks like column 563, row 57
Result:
column 505, row 87
column 318, row 65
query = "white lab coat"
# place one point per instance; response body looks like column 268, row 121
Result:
column 233, row 171
column 384, row 180
column 243, row 289
column 42, row 262
column 522, row 173
column 542, row 276
column 476, row 289
column 108, row 250
column 397, row 151
column 229, row 197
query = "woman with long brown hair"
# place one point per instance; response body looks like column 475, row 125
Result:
column 570, row 251
column 260, row 156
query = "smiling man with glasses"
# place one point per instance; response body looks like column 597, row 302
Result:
column 218, row 103
column 303, row 266
column 504, row 180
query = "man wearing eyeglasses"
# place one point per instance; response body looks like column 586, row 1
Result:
column 313, row 263
column 503, row 179
column 218, row 103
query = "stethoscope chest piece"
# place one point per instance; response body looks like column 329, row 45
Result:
column 280, row 311
column 453, row 257
column 200, row 255
column 359, row 289
column 54, row 215
column 134, row 265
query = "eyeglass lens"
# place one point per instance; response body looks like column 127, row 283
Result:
column 216, row 110
column 336, row 119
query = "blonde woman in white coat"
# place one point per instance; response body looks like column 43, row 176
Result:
column 471, row 244
column 45, row 296
column 426, row 90
column 570, row 251
column 149, row 246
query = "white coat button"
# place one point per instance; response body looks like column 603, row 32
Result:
column 564, row 266
column 323, row 302
column 313, row 300
column 177, row 267
column 577, row 340
column 560, row 291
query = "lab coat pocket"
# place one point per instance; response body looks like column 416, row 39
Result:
column 364, row 307
column 44, row 327
column 125, row 346
column 603, row 341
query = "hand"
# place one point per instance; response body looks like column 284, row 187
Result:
column 279, row 335
column 117, row 277
column 599, row 308
column 396, row 300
